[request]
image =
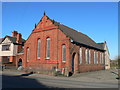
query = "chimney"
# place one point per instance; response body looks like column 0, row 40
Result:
column 14, row 34
column 19, row 38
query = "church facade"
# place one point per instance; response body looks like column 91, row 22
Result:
column 52, row 45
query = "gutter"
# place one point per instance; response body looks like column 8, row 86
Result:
column 77, row 43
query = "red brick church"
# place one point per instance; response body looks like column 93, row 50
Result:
column 52, row 45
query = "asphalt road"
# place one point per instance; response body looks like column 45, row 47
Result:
column 20, row 80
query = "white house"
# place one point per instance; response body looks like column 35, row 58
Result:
column 10, row 46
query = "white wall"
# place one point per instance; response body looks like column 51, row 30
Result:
column 107, row 58
column 13, row 48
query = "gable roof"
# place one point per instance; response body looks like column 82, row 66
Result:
column 12, row 39
column 78, row 36
column 102, row 45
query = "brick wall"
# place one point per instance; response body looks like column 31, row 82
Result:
column 46, row 29
column 85, row 67
column 57, row 39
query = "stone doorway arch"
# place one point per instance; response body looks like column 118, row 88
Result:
column 75, row 64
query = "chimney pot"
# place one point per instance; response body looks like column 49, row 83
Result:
column 19, row 38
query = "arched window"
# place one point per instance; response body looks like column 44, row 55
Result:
column 48, row 49
column 80, row 57
column 64, row 53
column 89, row 56
column 100, row 58
column 38, row 49
column 28, row 54
column 86, row 55
column 95, row 57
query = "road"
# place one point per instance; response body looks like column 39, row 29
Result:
column 20, row 80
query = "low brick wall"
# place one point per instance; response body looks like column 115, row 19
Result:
column 89, row 68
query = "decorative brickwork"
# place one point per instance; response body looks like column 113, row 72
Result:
column 46, row 28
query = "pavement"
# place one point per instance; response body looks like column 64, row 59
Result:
column 97, row 79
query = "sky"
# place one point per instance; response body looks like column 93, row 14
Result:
column 98, row 20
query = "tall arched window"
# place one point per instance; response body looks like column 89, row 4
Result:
column 64, row 53
column 80, row 57
column 95, row 57
column 38, row 49
column 48, row 49
column 100, row 58
column 89, row 56
column 28, row 54
column 86, row 55
column 87, row 52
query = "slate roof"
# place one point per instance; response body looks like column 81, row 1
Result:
column 78, row 36
column 13, row 40
column 102, row 45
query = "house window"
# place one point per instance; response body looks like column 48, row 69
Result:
column 48, row 49
column 64, row 53
column 38, row 48
column 80, row 57
column 5, row 47
column 5, row 59
column 28, row 54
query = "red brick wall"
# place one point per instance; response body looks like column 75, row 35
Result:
column 85, row 67
column 55, row 54
column 44, row 30
column 57, row 39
